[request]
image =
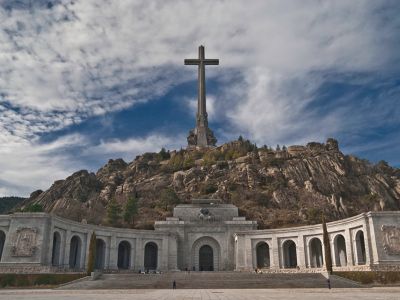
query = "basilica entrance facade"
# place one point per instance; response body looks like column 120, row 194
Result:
column 206, row 255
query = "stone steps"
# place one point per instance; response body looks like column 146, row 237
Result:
column 210, row 280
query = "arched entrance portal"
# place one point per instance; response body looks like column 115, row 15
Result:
column 289, row 254
column 124, row 255
column 262, row 253
column 340, row 251
column 55, row 255
column 316, row 258
column 150, row 256
column 206, row 258
column 2, row 242
column 75, row 253
column 100, row 254
column 205, row 255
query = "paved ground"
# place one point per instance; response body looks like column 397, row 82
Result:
column 298, row 294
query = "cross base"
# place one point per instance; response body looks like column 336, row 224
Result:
column 201, row 137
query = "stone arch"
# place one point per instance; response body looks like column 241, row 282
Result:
column 75, row 252
column 151, row 256
column 289, row 254
column 360, row 248
column 124, row 255
column 262, row 255
column 340, row 250
column 2, row 242
column 99, row 261
column 315, row 250
column 56, row 251
column 216, row 252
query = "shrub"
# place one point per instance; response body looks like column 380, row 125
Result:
column 45, row 279
column 208, row 188
column 34, row 207
column 8, row 280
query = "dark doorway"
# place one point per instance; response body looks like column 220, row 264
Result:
column 2, row 242
column 360, row 244
column 206, row 258
column 289, row 254
column 55, row 255
column 150, row 256
column 124, row 255
column 341, row 255
column 100, row 254
column 75, row 253
column 262, row 255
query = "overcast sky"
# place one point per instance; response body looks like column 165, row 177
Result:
column 83, row 81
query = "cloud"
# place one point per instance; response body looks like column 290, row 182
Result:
column 131, row 147
column 29, row 165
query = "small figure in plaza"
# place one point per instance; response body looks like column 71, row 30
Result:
column 329, row 283
column 174, row 285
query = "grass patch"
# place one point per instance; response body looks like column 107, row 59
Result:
column 36, row 280
column 369, row 277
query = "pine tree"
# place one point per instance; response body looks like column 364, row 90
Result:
column 327, row 247
column 113, row 212
column 92, row 254
column 169, row 198
column 131, row 209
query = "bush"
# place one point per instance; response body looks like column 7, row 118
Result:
column 8, row 280
column 34, row 207
column 45, row 279
column 368, row 277
column 208, row 188
column 22, row 281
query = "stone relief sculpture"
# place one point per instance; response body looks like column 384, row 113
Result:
column 391, row 239
column 205, row 214
column 24, row 242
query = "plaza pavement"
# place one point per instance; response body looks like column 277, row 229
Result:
column 389, row 293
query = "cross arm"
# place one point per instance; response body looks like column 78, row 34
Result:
column 211, row 61
column 192, row 61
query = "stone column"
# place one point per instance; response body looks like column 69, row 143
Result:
column 67, row 243
column 333, row 253
column 85, row 245
column 139, row 253
column 301, row 247
column 113, row 251
column 275, row 253
column 133, row 262
column 349, row 247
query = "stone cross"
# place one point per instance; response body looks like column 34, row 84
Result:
column 202, row 136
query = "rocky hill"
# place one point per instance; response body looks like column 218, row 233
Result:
column 280, row 187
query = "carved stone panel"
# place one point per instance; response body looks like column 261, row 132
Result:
column 24, row 242
column 391, row 239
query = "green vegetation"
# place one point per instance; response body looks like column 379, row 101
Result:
column 131, row 210
column 113, row 212
column 8, row 203
column 30, row 280
column 313, row 215
column 34, row 207
column 163, row 154
column 92, row 254
column 168, row 199
column 208, row 188
column 368, row 277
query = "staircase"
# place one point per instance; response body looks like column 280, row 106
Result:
column 210, row 280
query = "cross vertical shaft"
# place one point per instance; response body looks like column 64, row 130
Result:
column 202, row 136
